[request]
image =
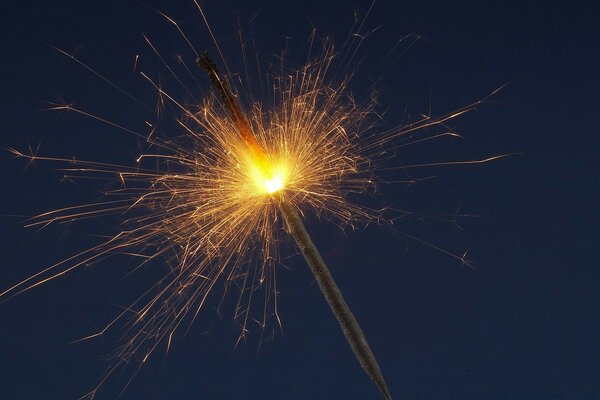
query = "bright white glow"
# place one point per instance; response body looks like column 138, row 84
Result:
column 274, row 184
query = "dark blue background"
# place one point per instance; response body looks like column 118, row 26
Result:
column 524, row 324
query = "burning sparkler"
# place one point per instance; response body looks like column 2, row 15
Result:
column 273, row 182
column 211, row 204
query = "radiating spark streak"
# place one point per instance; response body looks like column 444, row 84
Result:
column 112, row 168
column 180, row 60
column 425, row 139
column 450, row 163
column 384, row 59
column 80, row 215
column 214, row 39
column 111, row 83
column 186, row 111
column 348, row 62
column 140, row 158
column 184, row 87
column 437, row 248
column 172, row 21
column 120, row 316
column 69, row 107
column 87, row 205
column 56, row 275
column 422, row 124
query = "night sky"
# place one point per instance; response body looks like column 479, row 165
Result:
column 523, row 323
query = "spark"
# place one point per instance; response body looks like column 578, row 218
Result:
column 211, row 203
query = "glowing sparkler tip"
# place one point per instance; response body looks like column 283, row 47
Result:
column 274, row 184
column 267, row 178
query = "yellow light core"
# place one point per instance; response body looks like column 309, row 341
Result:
column 274, row 184
column 267, row 178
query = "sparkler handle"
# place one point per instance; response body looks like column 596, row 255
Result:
column 354, row 334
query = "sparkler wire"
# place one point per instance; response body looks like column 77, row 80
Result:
column 354, row 334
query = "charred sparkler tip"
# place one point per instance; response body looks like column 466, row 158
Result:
column 206, row 63
column 233, row 107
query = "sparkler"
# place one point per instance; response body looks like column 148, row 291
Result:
column 211, row 205
column 331, row 292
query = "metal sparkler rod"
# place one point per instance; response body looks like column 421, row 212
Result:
column 354, row 334
column 350, row 327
